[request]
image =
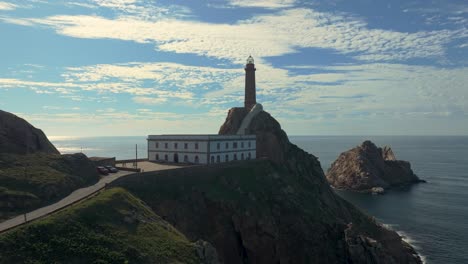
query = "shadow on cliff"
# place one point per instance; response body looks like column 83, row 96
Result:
column 276, row 209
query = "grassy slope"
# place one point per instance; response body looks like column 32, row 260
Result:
column 31, row 181
column 113, row 227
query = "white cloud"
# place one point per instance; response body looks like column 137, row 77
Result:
column 7, row 6
column 262, row 36
column 149, row 100
column 270, row 4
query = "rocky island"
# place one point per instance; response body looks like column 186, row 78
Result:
column 368, row 168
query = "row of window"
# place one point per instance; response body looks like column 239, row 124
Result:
column 197, row 160
column 226, row 157
column 218, row 145
column 176, row 145
column 234, row 145
column 176, row 158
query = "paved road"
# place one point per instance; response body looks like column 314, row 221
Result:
column 78, row 195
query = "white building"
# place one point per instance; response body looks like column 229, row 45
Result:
column 203, row 149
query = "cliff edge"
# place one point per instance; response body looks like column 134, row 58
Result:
column 32, row 171
column 276, row 209
column 17, row 136
column 368, row 168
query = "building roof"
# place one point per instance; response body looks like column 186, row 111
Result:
column 200, row 137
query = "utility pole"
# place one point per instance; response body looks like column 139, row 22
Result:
column 136, row 156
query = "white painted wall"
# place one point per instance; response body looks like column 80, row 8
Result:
column 157, row 148
column 171, row 146
column 170, row 157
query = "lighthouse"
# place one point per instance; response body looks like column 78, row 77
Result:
column 250, row 98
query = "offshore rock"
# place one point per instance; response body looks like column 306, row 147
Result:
column 368, row 168
column 17, row 136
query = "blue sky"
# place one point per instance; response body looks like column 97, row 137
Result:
column 134, row 67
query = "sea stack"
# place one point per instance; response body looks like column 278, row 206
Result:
column 368, row 168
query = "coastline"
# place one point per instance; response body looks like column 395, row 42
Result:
column 408, row 239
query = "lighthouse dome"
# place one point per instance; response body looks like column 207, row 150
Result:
column 250, row 60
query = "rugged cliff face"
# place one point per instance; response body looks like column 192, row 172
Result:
column 367, row 167
column 272, row 141
column 19, row 137
column 274, row 210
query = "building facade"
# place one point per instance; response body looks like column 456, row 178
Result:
column 201, row 149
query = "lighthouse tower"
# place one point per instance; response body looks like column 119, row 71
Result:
column 250, row 98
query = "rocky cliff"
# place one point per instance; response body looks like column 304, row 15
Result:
column 277, row 209
column 272, row 141
column 367, row 167
column 19, row 137
column 32, row 171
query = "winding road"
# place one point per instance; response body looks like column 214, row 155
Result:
column 77, row 195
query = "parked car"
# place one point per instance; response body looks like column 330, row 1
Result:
column 111, row 169
column 102, row 170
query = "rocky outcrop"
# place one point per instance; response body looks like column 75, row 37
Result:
column 279, row 209
column 272, row 141
column 32, row 171
column 206, row 252
column 367, row 167
column 17, row 136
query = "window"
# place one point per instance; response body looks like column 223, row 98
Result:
column 227, row 145
column 175, row 145
column 226, row 158
column 212, row 159
column 250, row 144
column 242, row 144
column 218, row 145
column 218, row 160
column 234, row 145
column 196, row 159
column 157, row 156
column 196, row 145
column 249, row 156
column 165, row 157
column 235, row 156
column 165, row 145
column 186, row 159
column 185, row 145
column 157, row 144
column 242, row 156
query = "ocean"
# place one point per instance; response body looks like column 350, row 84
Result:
column 432, row 216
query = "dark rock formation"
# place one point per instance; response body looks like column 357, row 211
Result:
column 32, row 171
column 368, row 167
column 274, row 210
column 272, row 141
column 17, row 136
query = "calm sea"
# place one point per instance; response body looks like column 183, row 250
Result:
column 433, row 217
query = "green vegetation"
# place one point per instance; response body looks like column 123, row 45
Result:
column 31, row 181
column 113, row 227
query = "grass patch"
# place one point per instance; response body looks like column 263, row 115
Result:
column 113, row 227
column 31, row 181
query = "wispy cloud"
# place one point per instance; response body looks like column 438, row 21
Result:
column 7, row 6
column 263, row 36
column 269, row 4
